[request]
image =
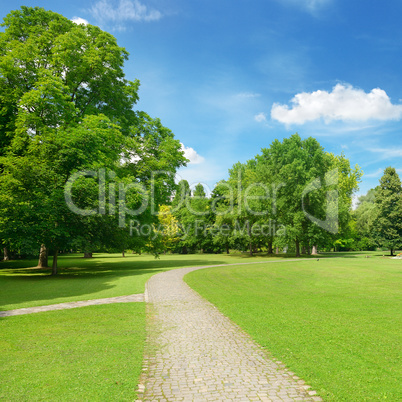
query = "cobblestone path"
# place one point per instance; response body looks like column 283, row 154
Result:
column 197, row 354
column 63, row 306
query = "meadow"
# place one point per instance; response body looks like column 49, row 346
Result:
column 335, row 322
column 88, row 353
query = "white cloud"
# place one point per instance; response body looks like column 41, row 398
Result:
column 387, row 153
column 309, row 5
column 192, row 155
column 260, row 117
column 344, row 103
column 109, row 11
column 315, row 4
column 247, row 95
column 378, row 173
column 79, row 21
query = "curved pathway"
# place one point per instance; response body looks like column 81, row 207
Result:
column 197, row 354
column 63, row 306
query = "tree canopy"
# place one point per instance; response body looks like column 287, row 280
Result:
column 66, row 108
column 388, row 201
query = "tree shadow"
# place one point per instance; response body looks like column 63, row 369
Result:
column 81, row 279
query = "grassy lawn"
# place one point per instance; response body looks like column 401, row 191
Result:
column 105, row 275
column 336, row 323
column 90, row 353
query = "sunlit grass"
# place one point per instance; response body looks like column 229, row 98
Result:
column 90, row 353
column 105, row 275
column 336, row 323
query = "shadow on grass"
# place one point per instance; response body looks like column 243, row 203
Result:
column 106, row 275
column 80, row 277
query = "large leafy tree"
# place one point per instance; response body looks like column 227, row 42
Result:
column 53, row 71
column 66, row 106
column 293, row 164
column 347, row 180
column 250, row 207
column 388, row 200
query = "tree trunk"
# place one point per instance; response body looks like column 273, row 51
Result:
column 227, row 249
column 54, row 265
column 392, row 252
column 88, row 255
column 123, row 253
column 251, row 249
column 277, row 250
column 314, row 251
column 270, row 247
column 6, row 256
column 304, row 250
column 297, row 248
column 43, row 257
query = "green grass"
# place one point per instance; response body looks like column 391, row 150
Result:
column 105, row 275
column 90, row 353
column 336, row 323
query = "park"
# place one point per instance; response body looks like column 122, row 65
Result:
column 121, row 280
column 334, row 322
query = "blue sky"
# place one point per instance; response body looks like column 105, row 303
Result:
column 229, row 77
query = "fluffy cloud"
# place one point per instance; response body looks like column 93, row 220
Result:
column 79, row 21
column 344, row 103
column 191, row 155
column 107, row 11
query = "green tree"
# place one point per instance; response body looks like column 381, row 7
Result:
column 365, row 216
column 221, row 220
column 180, row 211
column 348, row 180
column 66, row 106
column 388, row 201
column 293, row 165
column 169, row 228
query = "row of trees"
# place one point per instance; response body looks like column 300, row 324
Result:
column 293, row 194
column 251, row 212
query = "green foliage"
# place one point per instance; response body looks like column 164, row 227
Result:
column 292, row 194
column 388, row 202
column 66, row 107
column 365, row 217
column 169, row 228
